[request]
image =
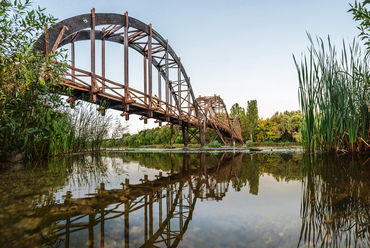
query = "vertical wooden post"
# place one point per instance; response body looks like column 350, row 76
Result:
column 150, row 81
column 179, row 88
column 159, row 85
column 73, row 60
column 92, row 38
column 145, row 81
column 189, row 99
column 168, row 90
column 185, row 134
column 103, row 63
column 46, row 40
column 126, row 71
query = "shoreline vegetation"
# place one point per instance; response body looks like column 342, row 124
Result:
column 334, row 91
column 334, row 97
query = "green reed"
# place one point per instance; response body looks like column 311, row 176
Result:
column 77, row 129
column 333, row 93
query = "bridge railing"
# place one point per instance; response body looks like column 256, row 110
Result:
column 99, row 86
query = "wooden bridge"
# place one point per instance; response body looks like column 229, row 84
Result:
column 175, row 102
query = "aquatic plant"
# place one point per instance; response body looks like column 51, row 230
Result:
column 333, row 93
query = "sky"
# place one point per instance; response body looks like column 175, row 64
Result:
column 239, row 49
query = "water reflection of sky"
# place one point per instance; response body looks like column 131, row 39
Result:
column 269, row 219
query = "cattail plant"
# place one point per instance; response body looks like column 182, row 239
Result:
column 334, row 97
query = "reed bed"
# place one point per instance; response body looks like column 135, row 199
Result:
column 334, row 97
column 81, row 129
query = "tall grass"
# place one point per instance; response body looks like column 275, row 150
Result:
column 334, row 97
column 82, row 128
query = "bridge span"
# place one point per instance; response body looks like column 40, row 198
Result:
column 175, row 102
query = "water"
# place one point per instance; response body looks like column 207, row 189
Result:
column 209, row 199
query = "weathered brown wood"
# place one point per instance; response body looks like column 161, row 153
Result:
column 57, row 42
column 46, row 41
column 126, row 65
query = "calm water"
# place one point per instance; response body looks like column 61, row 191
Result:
column 124, row 199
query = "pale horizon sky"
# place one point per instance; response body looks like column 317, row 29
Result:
column 238, row 49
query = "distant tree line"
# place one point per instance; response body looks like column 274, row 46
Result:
column 281, row 127
column 161, row 136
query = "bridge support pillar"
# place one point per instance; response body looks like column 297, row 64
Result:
column 202, row 135
column 185, row 134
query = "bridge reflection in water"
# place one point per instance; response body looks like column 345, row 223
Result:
column 329, row 207
column 167, row 204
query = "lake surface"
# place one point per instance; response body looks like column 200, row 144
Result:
column 192, row 199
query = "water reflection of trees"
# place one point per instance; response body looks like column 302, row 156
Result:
column 283, row 167
column 335, row 208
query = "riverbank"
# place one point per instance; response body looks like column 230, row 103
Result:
column 255, row 149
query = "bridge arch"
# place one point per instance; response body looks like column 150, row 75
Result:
column 157, row 53
column 156, row 49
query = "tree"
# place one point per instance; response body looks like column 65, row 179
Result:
column 265, row 130
column 252, row 118
column 236, row 110
column 362, row 14
column 287, row 125
column 28, row 116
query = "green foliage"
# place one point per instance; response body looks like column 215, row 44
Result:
column 265, row 130
column 236, row 110
column 252, row 119
column 334, row 98
column 28, row 119
column 90, row 130
column 281, row 127
column 287, row 125
column 362, row 14
column 159, row 136
column 215, row 144
column 154, row 136
column 248, row 120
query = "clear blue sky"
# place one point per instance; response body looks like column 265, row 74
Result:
column 239, row 49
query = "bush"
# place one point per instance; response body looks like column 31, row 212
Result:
column 215, row 144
